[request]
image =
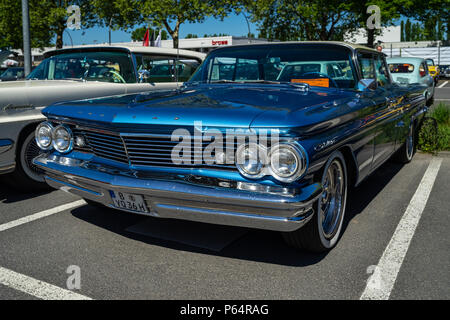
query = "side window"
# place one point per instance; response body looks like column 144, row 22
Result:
column 423, row 70
column 160, row 69
column 381, row 71
column 186, row 68
column 366, row 65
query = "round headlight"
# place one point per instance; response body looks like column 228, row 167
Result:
column 287, row 162
column 62, row 139
column 251, row 160
column 43, row 135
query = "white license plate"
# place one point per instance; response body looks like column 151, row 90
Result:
column 133, row 202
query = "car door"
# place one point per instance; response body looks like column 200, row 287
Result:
column 386, row 112
column 426, row 79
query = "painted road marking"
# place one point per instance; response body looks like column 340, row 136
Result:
column 381, row 282
column 443, row 85
column 36, row 288
column 41, row 214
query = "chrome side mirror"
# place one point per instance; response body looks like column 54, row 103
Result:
column 143, row 75
column 367, row 84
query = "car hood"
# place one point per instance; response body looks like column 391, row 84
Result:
column 213, row 105
column 40, row 93
column 46, row 84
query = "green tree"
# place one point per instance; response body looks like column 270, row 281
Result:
column 11, row 25
column 48, row 19
column 171, row 14
column 191, row 36
column 301, row 20
column 408, row 31
column 402, row 31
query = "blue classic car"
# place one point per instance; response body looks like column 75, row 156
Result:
column 238, row 144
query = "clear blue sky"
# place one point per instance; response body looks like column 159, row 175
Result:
column 234, row 25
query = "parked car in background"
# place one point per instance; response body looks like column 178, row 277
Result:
column 445, row 72
column 13, row 74
column 240, row 148
column 406, row 71
column 78, row 73
column 433, row 69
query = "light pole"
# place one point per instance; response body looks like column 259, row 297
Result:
column 26, row 37
column 71, row 41
column 248, row 26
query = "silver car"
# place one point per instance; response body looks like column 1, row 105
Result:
column 74, row 74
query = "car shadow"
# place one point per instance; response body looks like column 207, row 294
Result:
column 253, row 245
column 9, row 194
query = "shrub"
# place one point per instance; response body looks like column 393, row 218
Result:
column 434, row 134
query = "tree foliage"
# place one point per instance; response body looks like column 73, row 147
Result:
column 171, row 14
column 47, row 19
column 301, row 20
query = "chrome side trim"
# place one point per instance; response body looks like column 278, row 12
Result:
column 5, row 145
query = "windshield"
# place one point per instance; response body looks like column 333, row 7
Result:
column 90, row 66
column 401, row 68
column 13, row 72
column 317, row 65
column 430, row 62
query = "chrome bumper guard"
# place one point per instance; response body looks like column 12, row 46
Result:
column 180, row 197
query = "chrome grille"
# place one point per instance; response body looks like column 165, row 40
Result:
column 140, row 150
column 106, row 145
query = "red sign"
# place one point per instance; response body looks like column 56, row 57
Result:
column 219, row 42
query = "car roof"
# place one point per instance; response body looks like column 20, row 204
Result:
column 140, row 49
column 405, row 60
column 351, row 46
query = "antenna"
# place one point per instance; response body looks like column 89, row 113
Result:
column 176, row 62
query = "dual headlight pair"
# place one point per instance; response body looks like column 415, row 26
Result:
column 286, row 162
column 59, row 138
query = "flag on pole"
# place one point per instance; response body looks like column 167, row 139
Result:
column 158, row 40
column 152, row 39
column 146, row 39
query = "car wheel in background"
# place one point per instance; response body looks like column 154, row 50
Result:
column 408, row 149
column 322, row 232
column 27, row 177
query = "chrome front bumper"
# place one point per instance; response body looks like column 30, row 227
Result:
column 183, row 197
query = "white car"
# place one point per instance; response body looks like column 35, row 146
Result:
column 75, row 74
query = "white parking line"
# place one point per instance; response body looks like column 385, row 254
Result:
column 36, row 288
column 443, row 85
column 381, row 282
column 40, row 215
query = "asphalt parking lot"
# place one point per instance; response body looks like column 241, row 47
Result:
column 442, row 93
column 125, row 256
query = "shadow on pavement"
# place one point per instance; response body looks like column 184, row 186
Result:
column 253, row 245
column 9, row 194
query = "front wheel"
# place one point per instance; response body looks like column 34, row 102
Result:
column 323, row 231
column 28, row 177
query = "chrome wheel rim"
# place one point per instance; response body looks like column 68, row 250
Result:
column 31, row 151
column 332, row 200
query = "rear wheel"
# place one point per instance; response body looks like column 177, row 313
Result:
column 28, row 177
column 323, row 231
column 407, row 151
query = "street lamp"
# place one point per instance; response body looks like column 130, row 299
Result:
column 248, row 26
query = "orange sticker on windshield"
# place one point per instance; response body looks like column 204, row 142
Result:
column 320, row 82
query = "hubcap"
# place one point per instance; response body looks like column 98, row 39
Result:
column 32, row 151
column 331, row 204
